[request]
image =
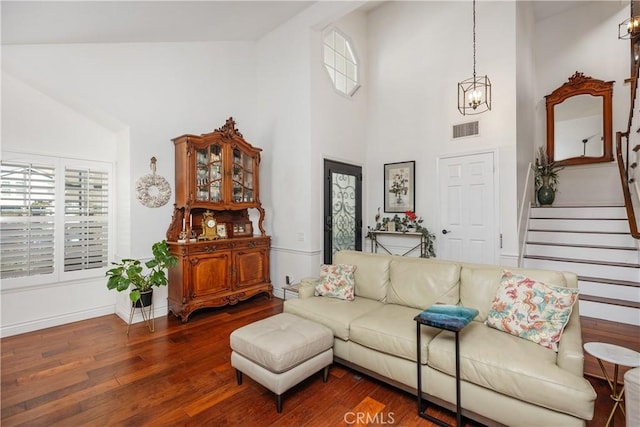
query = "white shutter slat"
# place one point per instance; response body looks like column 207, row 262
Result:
column 86, row 214
column 27, row 211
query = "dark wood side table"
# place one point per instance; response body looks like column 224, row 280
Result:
column 449, row 318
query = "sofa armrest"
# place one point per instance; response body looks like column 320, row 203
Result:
column 307, row 287
column 570, row 353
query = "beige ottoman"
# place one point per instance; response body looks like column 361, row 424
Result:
column 281, row 351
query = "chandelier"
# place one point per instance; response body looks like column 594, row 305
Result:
column 474, row 94
column 630, row 27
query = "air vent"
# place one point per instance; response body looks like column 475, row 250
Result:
column 466, row 129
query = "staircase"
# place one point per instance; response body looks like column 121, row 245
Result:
column 594, row 242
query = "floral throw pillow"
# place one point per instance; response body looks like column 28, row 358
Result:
column 531, row 310
column 336, row 281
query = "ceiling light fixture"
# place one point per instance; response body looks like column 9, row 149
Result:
column 630, row 27
column 474, row 94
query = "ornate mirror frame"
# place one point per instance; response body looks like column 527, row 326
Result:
column 579, row 84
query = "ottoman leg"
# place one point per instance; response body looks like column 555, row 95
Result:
column 279, row 403
column 239, row 376
column 325, row 374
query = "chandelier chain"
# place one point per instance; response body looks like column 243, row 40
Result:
column 474, row 40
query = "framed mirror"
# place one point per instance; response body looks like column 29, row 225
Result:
column 579, row 129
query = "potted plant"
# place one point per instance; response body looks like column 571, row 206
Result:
column 546, row 177
column 130, row 272
column 410, row 222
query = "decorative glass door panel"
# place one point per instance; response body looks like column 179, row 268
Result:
column 242, row 185
column 343, row 212
column 209, row 174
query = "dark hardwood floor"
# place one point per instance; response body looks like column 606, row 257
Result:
column 91, row 373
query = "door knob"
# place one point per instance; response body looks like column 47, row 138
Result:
column 445, row 231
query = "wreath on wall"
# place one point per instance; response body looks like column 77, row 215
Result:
column 153, row 190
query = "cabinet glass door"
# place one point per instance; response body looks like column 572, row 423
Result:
column 242, row 187
column 209, row 174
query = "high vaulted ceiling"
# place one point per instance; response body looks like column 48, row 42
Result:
column 38, row 22
column 35, row 22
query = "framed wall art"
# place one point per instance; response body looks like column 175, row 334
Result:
column 400, row 186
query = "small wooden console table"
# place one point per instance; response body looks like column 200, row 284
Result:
column 375, row 241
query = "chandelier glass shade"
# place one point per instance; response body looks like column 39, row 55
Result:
column 474, row 94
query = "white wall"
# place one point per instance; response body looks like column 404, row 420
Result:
column 296, row 129
column 139, row 96
column 418, row 52
column 338, row 123
column 144, row 94
column 584, row 39
column 35, row 123
column 526, row 112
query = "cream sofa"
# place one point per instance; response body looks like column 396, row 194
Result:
column 506, row 380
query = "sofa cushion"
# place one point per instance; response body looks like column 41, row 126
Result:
column 392, row 330
column 420, row 283
column 336, row 281
column 336, row 314
column 514, row 367
column 531, row 309
column 372, row 275
column 478, row 285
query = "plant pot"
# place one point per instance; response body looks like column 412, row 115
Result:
column 545, row 193
column 146, row 298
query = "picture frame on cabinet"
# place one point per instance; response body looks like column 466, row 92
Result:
column 400, row 186
column 221, row 229
column 244, row 229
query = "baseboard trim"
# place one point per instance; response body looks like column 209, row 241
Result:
column 158, row 311
column 35, row 325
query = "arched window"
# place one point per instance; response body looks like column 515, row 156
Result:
column 340, row 62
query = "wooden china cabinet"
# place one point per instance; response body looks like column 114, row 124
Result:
column 221, row 261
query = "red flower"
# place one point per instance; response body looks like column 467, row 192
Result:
column 412, row 216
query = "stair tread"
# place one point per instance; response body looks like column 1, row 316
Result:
column 580, row 231
column 583, row 261
column 578, row 245
column 609, row 281
column 613, row 301
column 579, row 206
column 560, row 218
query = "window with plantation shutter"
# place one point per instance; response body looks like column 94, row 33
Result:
column 55, row 219
column 27, row 211
column 86, row 225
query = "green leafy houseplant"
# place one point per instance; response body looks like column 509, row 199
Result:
column 410, row 222
column 130, row 272
column 546, row 170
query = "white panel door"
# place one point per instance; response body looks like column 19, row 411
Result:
column 467, row 209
